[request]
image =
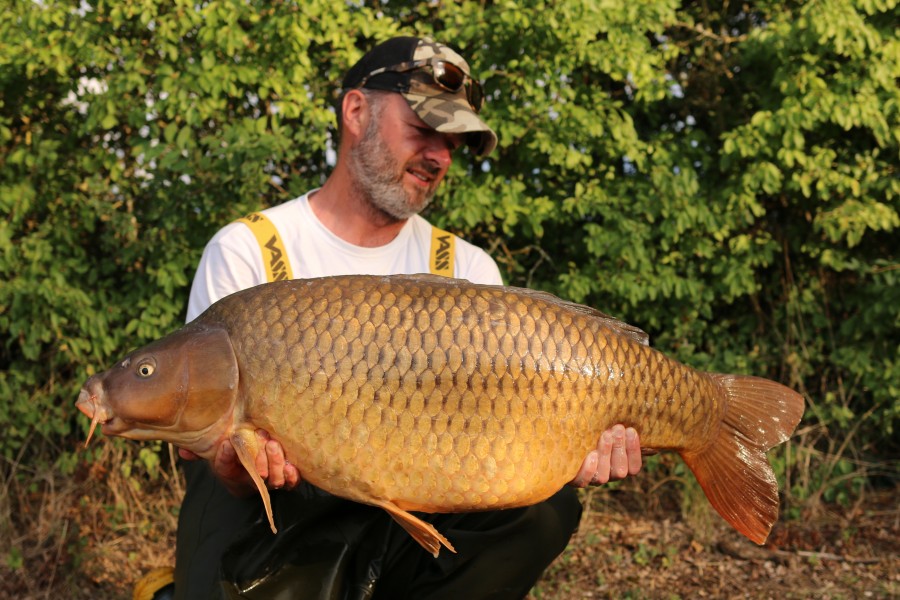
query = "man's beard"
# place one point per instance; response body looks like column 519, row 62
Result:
column 379, row 175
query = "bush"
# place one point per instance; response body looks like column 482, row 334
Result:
column 723, row 175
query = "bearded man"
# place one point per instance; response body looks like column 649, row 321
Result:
column 405, row 108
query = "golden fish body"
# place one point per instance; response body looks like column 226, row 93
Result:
column 431, row 394
column 444, row 397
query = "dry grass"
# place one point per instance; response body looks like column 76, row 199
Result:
column 91, row 535
column 626, row 549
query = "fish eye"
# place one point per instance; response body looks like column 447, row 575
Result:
column 146, row 369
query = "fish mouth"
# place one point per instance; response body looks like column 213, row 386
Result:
column 89, row 403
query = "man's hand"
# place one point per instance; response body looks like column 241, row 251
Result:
column 618, row 455
column 271, row 465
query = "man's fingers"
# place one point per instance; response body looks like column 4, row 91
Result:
column 279, row 473
column 588, row 468
column 262, row 456
column 604, row 451
column 226, row 456
column 187, row 454
column 633, row 451
column 226, row 463
column 291, row 476
column 618, row 460
column 618, row 454
column 275, row 456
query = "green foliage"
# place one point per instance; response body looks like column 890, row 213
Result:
column 130, row 132
column 724, row 175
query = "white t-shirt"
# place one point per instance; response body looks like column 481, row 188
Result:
column 232, row 260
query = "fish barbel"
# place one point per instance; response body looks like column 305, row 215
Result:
column 423, row 393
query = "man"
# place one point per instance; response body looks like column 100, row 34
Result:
column 407, row 106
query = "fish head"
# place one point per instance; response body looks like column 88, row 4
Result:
column 180, row 389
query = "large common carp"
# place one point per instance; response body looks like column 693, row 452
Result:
column 422, row 393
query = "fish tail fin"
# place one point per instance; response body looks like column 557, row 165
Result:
column 246, row 447
column 733, row 469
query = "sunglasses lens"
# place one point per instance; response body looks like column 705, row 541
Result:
column 448, row 75
column 452, row 78
column 475, row 95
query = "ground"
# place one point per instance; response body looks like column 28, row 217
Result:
column 92, row 534
column 620, row 553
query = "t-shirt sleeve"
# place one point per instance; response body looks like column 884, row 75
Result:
column 476, row 265
column 222, row 271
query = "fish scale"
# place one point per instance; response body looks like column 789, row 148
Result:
column 461, row 353
column 422, row 393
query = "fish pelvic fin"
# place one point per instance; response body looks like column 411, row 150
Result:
column 424, row 533
column 246, row 446
column 733, row 469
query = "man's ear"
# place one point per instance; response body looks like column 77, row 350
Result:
column 355, row 115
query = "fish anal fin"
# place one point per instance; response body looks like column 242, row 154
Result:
column 733, row 469
column 247, row 447
column 424, row 533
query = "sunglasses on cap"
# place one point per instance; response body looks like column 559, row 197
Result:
column 446, row 76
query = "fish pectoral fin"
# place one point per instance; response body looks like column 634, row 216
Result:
column 246, row 446
column 424, row 533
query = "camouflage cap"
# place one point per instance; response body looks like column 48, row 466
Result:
column 442, row 110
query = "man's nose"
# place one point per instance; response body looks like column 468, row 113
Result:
column 440, row 151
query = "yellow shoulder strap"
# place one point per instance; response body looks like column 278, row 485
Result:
column 443, row 246
column 275, row 257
